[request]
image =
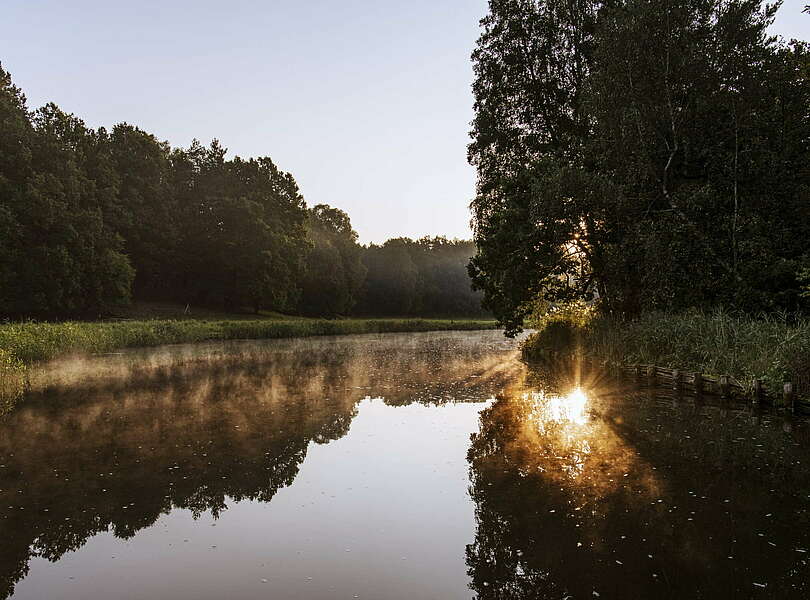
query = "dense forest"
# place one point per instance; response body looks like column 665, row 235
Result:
column 640, row 156
column 92, row 219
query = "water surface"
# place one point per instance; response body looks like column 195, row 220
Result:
column 389, row 466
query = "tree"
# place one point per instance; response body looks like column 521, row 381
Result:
column 243, row 237
column 334, row 270
column 144, row 210
column 425, row 277
column 60, row 256
column 531, row 64
column 679, row 150
column 392, row 283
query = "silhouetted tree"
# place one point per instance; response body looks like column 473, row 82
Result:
column 653, row 156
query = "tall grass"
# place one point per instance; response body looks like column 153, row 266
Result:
column 24, row 344
column 37, row 342
column 774, row 348
column 12, row 380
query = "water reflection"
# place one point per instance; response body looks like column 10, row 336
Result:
column 349, row 462
column 115, row 443
column 606, row 493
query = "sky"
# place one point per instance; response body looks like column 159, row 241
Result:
column 366, row 102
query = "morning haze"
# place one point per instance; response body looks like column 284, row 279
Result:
column 290, row 370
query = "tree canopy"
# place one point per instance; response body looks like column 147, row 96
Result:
column 90, row 219
column 642, row 154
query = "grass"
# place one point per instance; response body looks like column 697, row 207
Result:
column 37, row 342
column 774, row 348
column 12, row 380
column 25, row 344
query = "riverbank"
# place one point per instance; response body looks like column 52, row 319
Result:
column 774, row 349
column 37, row 342
column 25, row 344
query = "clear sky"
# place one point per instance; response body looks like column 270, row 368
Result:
column 366, row 102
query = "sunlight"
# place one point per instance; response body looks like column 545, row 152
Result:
column 576, row 404
column 566, row 409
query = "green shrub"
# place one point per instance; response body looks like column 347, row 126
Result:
column 555, row 338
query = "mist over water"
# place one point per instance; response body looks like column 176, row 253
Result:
column 389, row 466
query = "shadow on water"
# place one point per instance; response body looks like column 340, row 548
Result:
column 580, row 489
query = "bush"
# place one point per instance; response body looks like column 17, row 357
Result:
column 555, row 338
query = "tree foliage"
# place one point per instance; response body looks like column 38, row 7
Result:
column 419, row 277
column 335, row 271
column 58, row 253
column 649, row 155
column 91, row 218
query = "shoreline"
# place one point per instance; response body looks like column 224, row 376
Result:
column 771, row 349
column 23, row 345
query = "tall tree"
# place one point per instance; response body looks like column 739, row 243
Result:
column 60, row 255
column 243, row 238
column 144, row 210
column 531, row 65
column 680, row 150
column 334, row 270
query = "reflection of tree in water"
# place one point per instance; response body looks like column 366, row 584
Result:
column 112, row 444
column 642, row 498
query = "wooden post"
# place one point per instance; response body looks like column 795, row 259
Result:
column 788, row 396
column 698, row 384
column 757, row 401
column 638, row 373
column 651, row 374
column 724, row 386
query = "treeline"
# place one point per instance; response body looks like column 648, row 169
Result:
column 92, row 219
column 643, row 155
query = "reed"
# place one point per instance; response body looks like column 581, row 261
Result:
column 37, row 342
column 12, row 380
column 25, row 344
column 774, row 348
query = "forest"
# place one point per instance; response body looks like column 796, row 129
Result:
column 91, row 220
column 640, row 156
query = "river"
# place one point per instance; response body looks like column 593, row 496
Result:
column 431, row 465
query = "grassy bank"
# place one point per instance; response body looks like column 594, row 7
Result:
column 773, row 348
column 12, row 379
column 36, row 342
column 24, row 344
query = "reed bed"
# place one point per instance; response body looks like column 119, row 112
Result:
column 12, row 380
column 24, row 344
column 774, row 348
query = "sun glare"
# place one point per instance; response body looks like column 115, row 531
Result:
column 576, row 404
column 570, row 409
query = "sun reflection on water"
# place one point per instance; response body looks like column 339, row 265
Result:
column 570, row 409
column 563, row 424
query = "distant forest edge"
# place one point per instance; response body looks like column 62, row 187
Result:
column 91, row 219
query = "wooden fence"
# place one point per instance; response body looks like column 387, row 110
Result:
column 724, row 386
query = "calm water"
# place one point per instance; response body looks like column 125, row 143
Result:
column 394, row 466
